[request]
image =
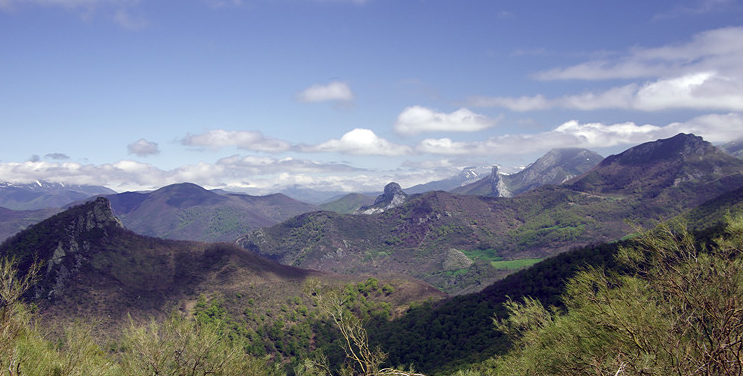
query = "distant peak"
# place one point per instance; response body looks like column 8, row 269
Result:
column 681, row 145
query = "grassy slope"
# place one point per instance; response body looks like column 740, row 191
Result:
column 459, row 331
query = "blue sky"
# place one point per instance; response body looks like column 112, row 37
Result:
column 259, row 95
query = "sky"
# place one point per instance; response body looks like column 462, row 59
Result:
column 259, row 96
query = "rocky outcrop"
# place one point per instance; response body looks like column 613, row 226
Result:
column 63, row 244
column 456, row 259
column 498, row 186
column 74, row 248
column 392, row 197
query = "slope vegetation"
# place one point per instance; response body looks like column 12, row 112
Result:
column 455, row 242
column 93, row 267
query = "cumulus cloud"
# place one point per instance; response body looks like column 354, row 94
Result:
column 416, row 119
column 247, row 140
column 143, row 148
column 359, row 141
column 334, row 91
column 713, row 127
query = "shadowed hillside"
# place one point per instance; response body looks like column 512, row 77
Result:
column 461, row 243
column 91, row 266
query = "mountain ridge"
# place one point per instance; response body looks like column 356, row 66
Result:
column 93, row 267
column 417, row 237
column 187, row 211
column 555, row 167
column 45, row 195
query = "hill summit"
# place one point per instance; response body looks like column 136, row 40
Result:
column 93, row 266
column 555, row 167
column 392, row 197
column 649, row 168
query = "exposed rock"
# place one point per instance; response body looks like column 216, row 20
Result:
column 392, row 197
column 74, row 232
column 499, row 188
column 455, row 260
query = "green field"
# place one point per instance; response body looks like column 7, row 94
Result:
column 497, row 261
column 515, row 264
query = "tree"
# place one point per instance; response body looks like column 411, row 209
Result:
column 361, row 358
column 179, row 346
column 677, row 308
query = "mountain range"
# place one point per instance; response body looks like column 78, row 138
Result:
column 187, row 211
column 460, row 243
column 45, row 195
column 555, row 167
column 467, row 176
column 93, row 267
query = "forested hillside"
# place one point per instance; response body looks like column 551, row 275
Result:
column 676, row 307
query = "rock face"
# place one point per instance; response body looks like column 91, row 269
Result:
column 70, row 241
column 498, row 188
column 555, row 167
column 456, row 259
column 392, row 197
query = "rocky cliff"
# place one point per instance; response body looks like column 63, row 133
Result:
column 392, row 197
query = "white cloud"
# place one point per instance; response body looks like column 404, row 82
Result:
column 705, row 73
column 705, row 90
column 360, row 141
column 537, row 102
column 263, row 175
column 416, row 119
column 699, row 91
column 131, row 175
column 264, row 165
column 334, row 91
column 143, row 148
column 713, row 128
column 247, row 140
column 713, row 50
